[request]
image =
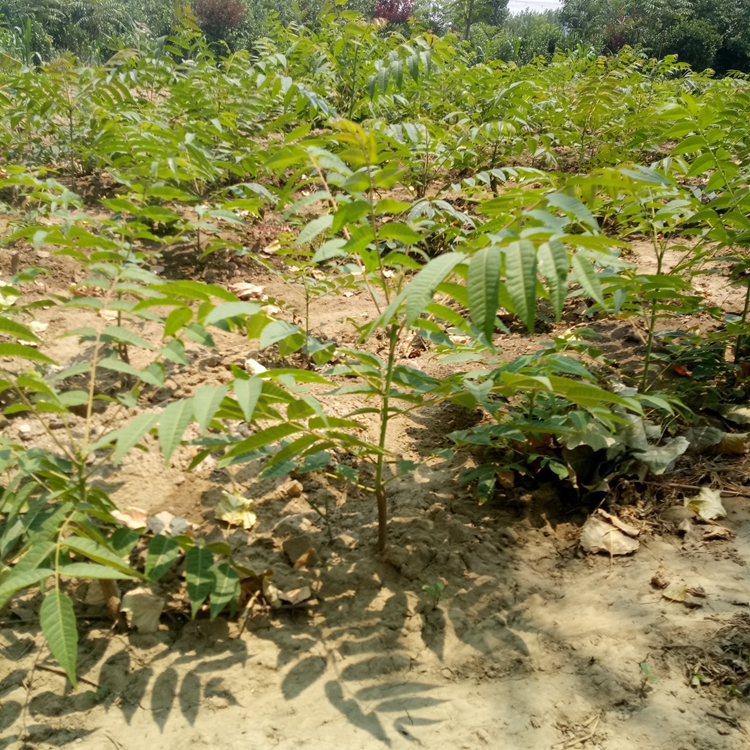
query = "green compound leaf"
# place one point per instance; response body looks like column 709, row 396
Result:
column 58, row 621
column 198, row 564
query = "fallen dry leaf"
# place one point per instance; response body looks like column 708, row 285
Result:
column 270, row 593
column 626, row 528
column 736, row 414
column 271, row 249
column 296, row 596
column 142, row 608
column 707, row 504
column 675, row 593
column 236, row 510
column 166, row 523
column 132, row 518
column 598, row 535
column 94, row 595
column 734, row 443
column 245, row 290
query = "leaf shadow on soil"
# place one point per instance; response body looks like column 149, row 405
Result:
column 375, row 648
column 124, row 683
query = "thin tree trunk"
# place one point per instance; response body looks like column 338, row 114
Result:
column 469, row 14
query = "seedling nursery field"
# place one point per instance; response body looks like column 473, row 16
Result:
column 354, row 395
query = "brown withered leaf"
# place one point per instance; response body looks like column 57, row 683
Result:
column 598, row 535
column 734, row 443
column 296, row 596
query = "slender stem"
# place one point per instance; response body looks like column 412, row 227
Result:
column 353, row 84
column 44, row 424
column 654, row 305
column 393, row 335
column 740, row 345
column 374, row 226
column 357, row 259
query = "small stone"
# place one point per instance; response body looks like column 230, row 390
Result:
column 291, row 488
column 254, row 367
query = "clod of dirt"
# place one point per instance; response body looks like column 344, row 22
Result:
column 601, row 535
column 660, row 579
column 707, row 504
column 676, row 515
column 717, row 532
column 506, row 479
column 294, row 525
column 301, row 551
column 291, row 488
column 345, row 541
column 142, row 608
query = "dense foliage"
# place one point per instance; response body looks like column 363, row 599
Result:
column 460, row 198
column 703, row 33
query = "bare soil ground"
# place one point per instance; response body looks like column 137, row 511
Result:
column 532, row 645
